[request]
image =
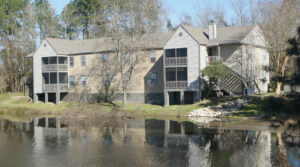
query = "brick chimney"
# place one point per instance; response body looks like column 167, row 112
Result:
column 212, row 30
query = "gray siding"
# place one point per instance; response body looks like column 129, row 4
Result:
column 186, row 41
column 203, row 57
column 44, row 50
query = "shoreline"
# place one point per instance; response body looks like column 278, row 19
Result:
column 14, row 104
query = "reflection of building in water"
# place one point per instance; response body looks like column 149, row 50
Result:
column 185, row 144
column 141, row 143
column 50, row 130
column 177, row 144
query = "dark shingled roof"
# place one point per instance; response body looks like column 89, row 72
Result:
column 224, row 34
column 67, row 47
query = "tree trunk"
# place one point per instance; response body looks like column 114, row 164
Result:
column 278, row 88
column 124, row 98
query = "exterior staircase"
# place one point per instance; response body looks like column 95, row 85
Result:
column 232, row 84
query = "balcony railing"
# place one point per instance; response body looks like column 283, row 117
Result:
column 212, row 59
column 55, row 87
column 176, row 84
column 173, row 61
column 55, row 67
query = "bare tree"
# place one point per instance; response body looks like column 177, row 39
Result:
column 241, row 13
column 104, row 72
column 280, row 20
column 204, row 15
column 185, row 18
column 128, row 26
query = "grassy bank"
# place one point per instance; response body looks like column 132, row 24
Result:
column 18, row 104
column 268, row 106
column 15, row 103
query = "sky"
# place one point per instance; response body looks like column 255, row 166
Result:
column 174, row 8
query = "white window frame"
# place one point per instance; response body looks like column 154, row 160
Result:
column 72, row 57
column 153, row 78
column 153, row 56
column 127, row 58
column 83, row 59
column 83, row 81
column 70, row 81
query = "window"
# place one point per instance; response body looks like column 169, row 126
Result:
column 153, row 56
column 83, row 60
column 181, row 74
column 171, row 74
column 72, row 80
column 53, row 60
column 53, row 78
column 63, row 78
column 83, row 80
column 62, row 60
column 170, row 52
column 71, row 61
column 127, row 58
column 153, row 79
column 105, row 57
column 45, row 60
column 182, row 52
column 45, row 78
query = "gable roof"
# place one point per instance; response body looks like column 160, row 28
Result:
column 68, row 47
column 225, row 35
column 197, row 33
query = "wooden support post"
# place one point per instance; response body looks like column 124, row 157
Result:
column 181, row 97
column 57, row 101
column 46, row 97
column 35, row 98
column 166, row 98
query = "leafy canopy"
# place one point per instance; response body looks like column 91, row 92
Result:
column 216, row 70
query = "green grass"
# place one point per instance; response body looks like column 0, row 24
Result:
column 268, row 106
column 18, row 104
column 253, row 108
column 173, row 110
column 149, row 109
column 217, row 100
column 259, row 106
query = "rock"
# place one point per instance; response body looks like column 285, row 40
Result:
column 205, row 115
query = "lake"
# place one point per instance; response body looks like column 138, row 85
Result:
column 142, row 142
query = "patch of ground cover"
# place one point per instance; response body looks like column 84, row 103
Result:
column 15, row 103
column 18, row 104
column 269, row 106
column 150, row 109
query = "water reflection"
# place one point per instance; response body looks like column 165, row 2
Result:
column 58, row 142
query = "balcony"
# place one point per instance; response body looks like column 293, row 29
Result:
column 54, row 67
column 55, row 87
column 55, row 63
column 212, row 59
column 175, row 61
column 176, row 84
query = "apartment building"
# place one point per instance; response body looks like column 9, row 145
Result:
column 169, row 71
column 191, row 49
